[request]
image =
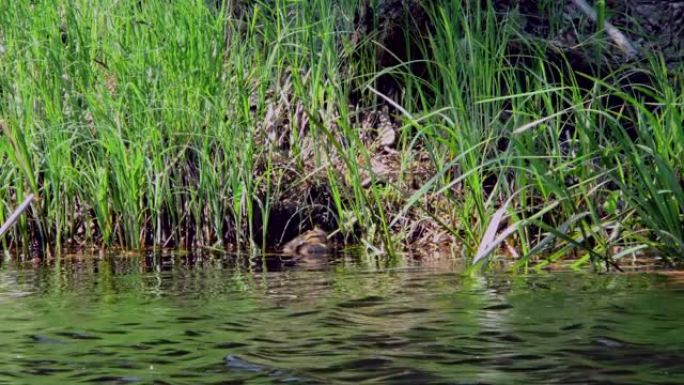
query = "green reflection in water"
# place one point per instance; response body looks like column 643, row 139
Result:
column 171, row 321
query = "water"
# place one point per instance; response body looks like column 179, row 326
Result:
column 173, row 321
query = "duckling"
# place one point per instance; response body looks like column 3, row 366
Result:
column 311, row 243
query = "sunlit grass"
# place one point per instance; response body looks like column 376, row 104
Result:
column 150, row 123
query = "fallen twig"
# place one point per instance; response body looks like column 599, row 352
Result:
column 619, row 38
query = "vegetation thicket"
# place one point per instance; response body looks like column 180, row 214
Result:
column 166, row 124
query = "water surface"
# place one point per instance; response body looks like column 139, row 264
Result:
column 214, row 321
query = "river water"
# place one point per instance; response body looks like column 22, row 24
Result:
column 215, row 321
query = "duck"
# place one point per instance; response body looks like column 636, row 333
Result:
column 311, row 243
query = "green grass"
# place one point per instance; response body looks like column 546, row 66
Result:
column 138, row 124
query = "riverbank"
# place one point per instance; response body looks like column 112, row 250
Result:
column 162, row 125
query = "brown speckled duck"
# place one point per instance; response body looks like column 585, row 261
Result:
column 311, row 243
